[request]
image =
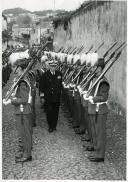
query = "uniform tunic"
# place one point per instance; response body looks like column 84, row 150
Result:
column 24, row 117
column 98, row 116
column 51, row 87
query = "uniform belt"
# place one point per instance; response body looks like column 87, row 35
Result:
column 98, row 104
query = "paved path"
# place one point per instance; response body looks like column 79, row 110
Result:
column 58, row 155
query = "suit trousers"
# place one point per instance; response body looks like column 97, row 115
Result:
column 24, row 127
column 52, row 111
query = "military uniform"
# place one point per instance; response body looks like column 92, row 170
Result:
column 23, row 114
column 51, row 87
column 98, row 116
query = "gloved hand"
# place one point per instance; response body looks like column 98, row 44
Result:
column 85, row 96
column 42, row 95
column 73, row 85
column 83, row 92
column 6, row 102
column 67, row 86
column 91, row 99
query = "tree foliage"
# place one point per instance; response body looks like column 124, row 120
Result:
column 6, row 35
column 24, row 20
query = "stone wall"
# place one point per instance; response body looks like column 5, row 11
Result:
column 108, row 23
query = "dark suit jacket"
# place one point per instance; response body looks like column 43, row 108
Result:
column 51, row 86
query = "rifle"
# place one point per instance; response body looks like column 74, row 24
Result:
column 86, row 53
column 59, row 50
column 68, row 50
column 75, row 52
column 88, row 74
column 89, row 49
column 78, row 73
column 103, row 73
column 80, row 49
column 99, row 47
column 71, row 52
column 105, row 54
column 25, row 72
column 70, row 75
column 62, row 50
column 9, row 53
column 111, row 56
column 65, row 49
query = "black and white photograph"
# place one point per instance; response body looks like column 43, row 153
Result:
column 64, row 90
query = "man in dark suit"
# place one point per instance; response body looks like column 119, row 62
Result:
column 51, row 87
column 39, row 76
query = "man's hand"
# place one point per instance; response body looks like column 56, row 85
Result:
column 83, row 92
column 6, row 102
column 85, row 96
column 42, row 95
column 91, row 99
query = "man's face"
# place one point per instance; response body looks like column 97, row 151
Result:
column 16, row 70
column 52, row 68
column 14, row 67
column 88, row 66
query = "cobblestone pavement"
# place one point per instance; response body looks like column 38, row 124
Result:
column 58, row 155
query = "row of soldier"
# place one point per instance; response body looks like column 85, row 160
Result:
column 79, row 78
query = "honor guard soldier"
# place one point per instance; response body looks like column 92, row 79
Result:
column 22, row 99
column 51, row 87
column 98, row 110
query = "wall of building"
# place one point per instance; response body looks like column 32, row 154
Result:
column 35, row 35
column 107, row 23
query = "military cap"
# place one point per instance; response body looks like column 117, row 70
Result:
column 52, row 63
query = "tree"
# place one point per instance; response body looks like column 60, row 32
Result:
column 24, row 20
column 6, row 35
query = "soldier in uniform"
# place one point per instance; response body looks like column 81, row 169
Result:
column 98, row 110
column 51, row 87
column 21, row 100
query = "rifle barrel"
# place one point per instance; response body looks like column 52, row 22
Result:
column 99, row 47
column 103, row 73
